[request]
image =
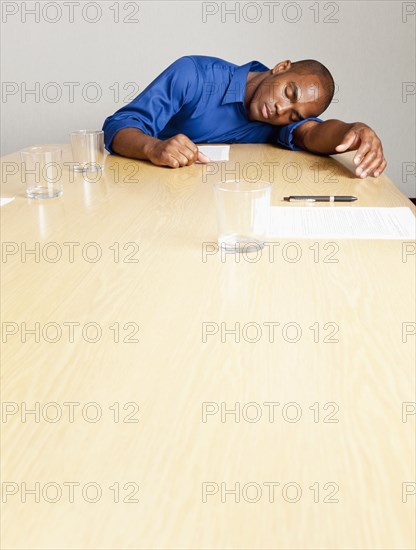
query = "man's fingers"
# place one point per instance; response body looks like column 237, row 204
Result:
column 174, row 159
column 371, row 168
column 363, row 149
column 380, row 169
column 370, row 162
column 369, row 157
column 189, row 154
column 202, row 158
column 166, row 159
column 172, row 162
column 182, row 157
column 366, row 160
column 188, row 148
column 347, row 142
column 193, row 156
column 184, row 151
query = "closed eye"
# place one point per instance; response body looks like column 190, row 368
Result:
column 289, row 93
column 292, row 92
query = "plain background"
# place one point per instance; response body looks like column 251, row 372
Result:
column 84, row 60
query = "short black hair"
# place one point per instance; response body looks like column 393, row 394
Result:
column 311, row 66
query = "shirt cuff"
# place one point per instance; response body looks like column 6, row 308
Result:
column 285, row 136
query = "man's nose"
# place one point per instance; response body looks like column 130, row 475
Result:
column 283, row 109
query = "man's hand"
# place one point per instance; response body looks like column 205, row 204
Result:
column 369, row 159
column 176, row 151
column 335, row 136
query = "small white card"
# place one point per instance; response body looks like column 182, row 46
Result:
column 215, row 153
column 5, row 201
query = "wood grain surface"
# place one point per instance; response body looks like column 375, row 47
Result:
column 133, row 443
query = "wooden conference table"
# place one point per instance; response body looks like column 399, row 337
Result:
column 152, row 426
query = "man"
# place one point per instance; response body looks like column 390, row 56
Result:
column 200, row 99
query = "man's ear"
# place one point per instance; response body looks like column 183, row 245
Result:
column 282, row 66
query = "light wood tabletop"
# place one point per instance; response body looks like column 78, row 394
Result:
column 159, row 395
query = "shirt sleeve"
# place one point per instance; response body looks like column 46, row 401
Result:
column 285, row 135
column 152, row 109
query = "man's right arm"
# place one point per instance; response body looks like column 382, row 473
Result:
column 177, row 151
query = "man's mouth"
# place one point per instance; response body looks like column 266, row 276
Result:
column 266, row 112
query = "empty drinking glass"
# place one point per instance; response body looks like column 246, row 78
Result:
column 42, row 171
column 243, row 213
column 88, row 150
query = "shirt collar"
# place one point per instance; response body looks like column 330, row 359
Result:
column 237, row 87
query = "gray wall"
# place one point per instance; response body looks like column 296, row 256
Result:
column 368, row 46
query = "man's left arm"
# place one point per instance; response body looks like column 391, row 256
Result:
column 334, row 136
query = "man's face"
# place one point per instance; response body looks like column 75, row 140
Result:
column 287, row 97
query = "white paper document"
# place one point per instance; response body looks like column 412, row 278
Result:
column 342, row 222
column 5, row 201
column 215, row 153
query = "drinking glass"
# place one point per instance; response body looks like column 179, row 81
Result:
column 243, row 214
column 42, row 171
column 88, row 150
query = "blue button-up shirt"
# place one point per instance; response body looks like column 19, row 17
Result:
column 203, row 98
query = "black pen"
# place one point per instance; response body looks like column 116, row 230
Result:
column 321, row 198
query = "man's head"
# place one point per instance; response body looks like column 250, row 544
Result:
column 289, row 92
